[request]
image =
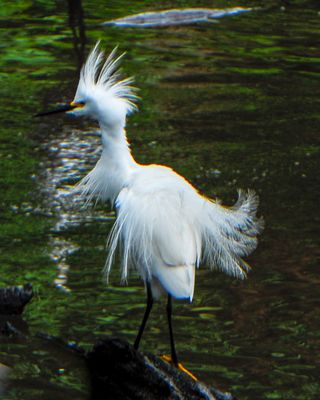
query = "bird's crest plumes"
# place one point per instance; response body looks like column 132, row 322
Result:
column 105, row 75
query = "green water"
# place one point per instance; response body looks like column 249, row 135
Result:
column 228, row 105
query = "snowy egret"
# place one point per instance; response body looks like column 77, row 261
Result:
column 165, row 228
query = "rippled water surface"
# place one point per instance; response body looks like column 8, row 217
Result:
column 228, row 105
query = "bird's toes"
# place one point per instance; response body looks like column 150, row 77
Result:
column 167, row 358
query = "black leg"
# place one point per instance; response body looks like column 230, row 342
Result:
column 145, row 317
column 174, row 357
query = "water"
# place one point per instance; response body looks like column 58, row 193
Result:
column 231, row 104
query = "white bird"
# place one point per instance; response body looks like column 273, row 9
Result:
column 164, row 228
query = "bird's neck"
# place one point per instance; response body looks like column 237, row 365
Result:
column 116, row 150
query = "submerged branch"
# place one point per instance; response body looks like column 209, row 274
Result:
column 174, row 17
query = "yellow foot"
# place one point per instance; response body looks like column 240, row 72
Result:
column 167, row 358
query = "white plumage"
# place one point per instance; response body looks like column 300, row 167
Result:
column 164, row 227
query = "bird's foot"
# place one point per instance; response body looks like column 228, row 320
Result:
column 167, row 358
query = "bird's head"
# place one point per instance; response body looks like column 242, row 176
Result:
column 101, row 94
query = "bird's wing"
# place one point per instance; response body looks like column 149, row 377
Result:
column 153, row 224
column 163, row 220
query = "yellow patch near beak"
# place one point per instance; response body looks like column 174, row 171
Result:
column 75, row 104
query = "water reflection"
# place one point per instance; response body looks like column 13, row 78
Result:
column 69, row 156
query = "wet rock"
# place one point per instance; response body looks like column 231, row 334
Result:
column 13, row 299
column 119, row 372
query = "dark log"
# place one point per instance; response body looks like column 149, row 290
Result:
column 119, row 372
column 14, row 299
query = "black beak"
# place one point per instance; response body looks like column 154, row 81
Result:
column 62, row 108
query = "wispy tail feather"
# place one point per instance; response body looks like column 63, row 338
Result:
column 231, row 233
